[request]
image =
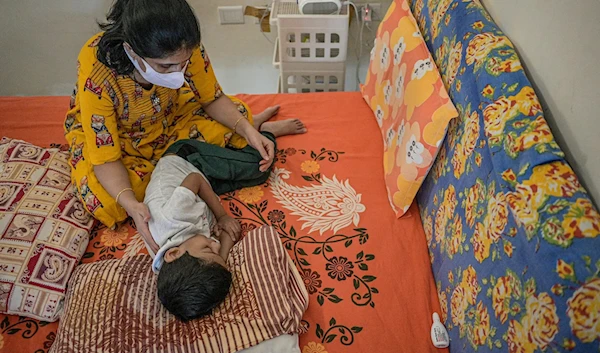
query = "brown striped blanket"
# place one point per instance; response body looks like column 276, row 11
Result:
column 111, row 306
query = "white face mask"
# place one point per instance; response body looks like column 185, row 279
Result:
column 173, row 80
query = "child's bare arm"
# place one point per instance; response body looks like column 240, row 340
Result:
column 226, row 244
column 198, row 185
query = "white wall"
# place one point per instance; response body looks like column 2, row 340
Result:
column 558, row 42
column 240, row 55
column 40, row 40
column 39, row 43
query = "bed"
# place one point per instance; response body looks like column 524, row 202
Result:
column 502, row 240
column 368, row 274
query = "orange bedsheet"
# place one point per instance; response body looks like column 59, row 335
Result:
column 368, row 273
column 37, row 120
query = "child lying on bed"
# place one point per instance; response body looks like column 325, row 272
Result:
column 190, row 226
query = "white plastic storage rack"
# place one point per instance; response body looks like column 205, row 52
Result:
column 310, row 50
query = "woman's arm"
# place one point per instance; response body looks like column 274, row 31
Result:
column 114, row 178
column 202, row 81
column 225, row 112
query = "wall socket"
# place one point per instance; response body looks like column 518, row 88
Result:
column 231, row 15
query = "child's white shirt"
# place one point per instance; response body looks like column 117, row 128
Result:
column 177, row 214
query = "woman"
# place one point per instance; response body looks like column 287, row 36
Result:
column 143, row 83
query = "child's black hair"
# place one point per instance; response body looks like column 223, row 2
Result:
column 153, row 28
column 191, row 288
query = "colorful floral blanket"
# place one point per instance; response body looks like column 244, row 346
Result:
column 513, row 236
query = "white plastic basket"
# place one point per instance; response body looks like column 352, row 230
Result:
column 312, row 77
column 304, row 77
column 310, row 52
column 313, row 38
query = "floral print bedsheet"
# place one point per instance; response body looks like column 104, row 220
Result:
column 367, row 273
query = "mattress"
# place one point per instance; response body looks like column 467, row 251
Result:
column 368, row 273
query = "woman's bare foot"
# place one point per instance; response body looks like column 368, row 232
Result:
column 265, row 115
column 284, row 127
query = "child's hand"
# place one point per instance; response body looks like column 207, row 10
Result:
column 231, row 226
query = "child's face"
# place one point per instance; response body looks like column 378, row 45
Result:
column 199, row 247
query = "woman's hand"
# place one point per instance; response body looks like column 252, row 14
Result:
column 141, row 215
column 114, row 178
column 225, row 112
column 263, row 145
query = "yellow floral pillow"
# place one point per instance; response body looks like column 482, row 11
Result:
column 411, row 105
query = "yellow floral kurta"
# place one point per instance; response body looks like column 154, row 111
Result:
column 111, row 117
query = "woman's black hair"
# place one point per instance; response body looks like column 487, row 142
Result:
column 153, row 28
